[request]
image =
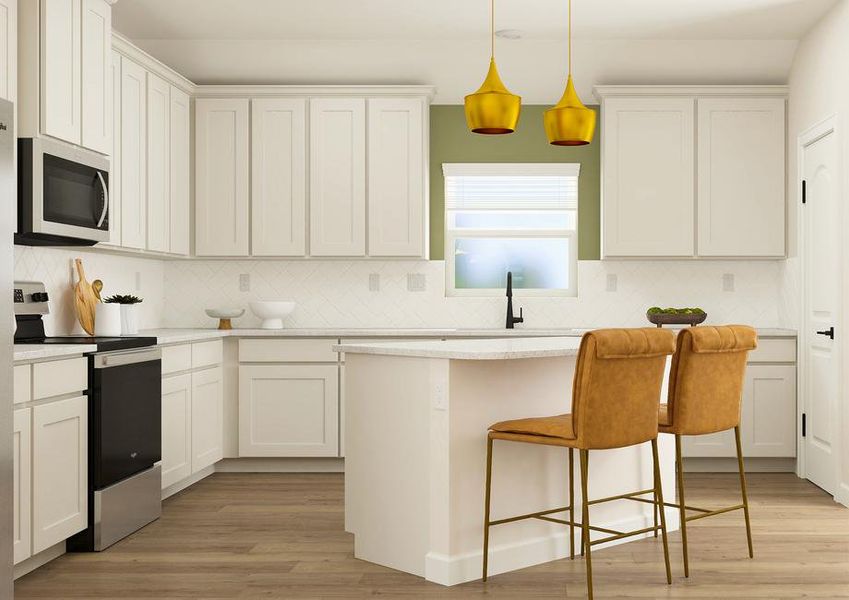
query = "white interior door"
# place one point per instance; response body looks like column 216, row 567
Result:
column 821, row 241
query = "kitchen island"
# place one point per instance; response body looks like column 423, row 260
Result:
column 416, row 417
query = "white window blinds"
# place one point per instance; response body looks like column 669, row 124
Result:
column 493, row 186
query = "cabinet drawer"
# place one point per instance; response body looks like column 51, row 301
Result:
column 23, row 383
column 176, row 358
column 774, row 350
column 207, row 354
column 59, row 377
column 287, row 350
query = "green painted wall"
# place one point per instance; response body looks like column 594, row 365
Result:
column 451, row 142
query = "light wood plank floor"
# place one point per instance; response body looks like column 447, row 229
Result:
column 281, row 536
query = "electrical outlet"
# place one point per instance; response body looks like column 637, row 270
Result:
column 138, row 281
column 374, row 282
column 612, row 282
column 245, row 282
column 416, row 282
column 728, row 282
column 440, row 398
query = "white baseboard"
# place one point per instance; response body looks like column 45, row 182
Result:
column 187, row 482
column 454, row 570
column 729, row 465
column 842, row 495
column 39, row 560
column 281, row 465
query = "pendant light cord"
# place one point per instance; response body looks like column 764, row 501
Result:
column 570, row 38
column 492, row 29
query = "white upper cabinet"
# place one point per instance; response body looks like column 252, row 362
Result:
column 647, row 157
column 158, row 164
column 64, row 50
column 692, row 171
column 278, row 176
column 9, row 49
column 96, row 63
column 133, row 155
column 221, row 177
column 180, row 171
column 61, row 69
column 115, row 166
column 741, row 154
column 396, row 177
column 337, row 177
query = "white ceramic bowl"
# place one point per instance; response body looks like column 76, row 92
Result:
column 224, row 313
column 272, row 312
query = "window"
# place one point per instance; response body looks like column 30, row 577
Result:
column 518, row 217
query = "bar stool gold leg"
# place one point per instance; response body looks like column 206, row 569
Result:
column 654, row 507
column 743, row 490
column 658, row 490
column 486, row 506
column 571, row 504
column 679, row 475
column 585, row 520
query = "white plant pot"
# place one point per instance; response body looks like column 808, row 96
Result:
column 107, row 320
column 129, row 319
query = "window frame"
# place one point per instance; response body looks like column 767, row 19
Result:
column 452, row 234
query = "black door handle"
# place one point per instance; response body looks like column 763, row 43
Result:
column 827, row 332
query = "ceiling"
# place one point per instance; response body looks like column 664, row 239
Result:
column 464, row 19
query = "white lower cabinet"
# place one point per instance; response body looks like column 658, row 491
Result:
column 60, row 474
column 288, row 410
column 767, row 420
column 176, row 429
column 207, row 418
column 22, row 484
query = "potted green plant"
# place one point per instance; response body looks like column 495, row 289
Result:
column 129, row 316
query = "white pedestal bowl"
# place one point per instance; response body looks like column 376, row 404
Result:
column 272, row 312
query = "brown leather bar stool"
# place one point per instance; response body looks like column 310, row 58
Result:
column 615, row 399
column 705, row 392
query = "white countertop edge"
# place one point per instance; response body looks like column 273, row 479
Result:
column 30, row 352
column 492, row 349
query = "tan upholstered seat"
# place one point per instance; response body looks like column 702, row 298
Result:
column 705, row 396
column 615, row 396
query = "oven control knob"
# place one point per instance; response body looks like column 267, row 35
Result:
column 40, row 297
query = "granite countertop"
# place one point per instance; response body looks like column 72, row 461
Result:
column 178, row 336
column 23, row 352
column 459, row 349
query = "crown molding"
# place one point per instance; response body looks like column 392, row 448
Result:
column 127, row 48
column 608, row 91
column 259, row 91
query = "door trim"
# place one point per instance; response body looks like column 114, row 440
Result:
column 825, row 127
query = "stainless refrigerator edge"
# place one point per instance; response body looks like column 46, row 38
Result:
column 8, row 201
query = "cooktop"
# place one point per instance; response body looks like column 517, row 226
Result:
column 104, row 344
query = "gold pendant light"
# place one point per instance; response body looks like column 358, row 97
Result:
column 492, row 110
column 569, row 123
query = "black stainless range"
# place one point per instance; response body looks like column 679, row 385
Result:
column 124, row 424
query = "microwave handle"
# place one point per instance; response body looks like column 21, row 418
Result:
column 105, row 200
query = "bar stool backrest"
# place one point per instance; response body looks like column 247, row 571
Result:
column 616, row 389
column 706, row 379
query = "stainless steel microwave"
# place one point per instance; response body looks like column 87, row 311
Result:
column 63, row 194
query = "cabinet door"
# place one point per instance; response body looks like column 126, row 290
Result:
column 648, row 180
column 278, row 163
column 115, row 167
column 288, row 410
column 180, row 171
column 396, row 177
column 9, row 50
column 176, row 429
column 207, row 415
column 768, row 424
column 337, row 177
column 60, row 471
column 221, row 177
column 158, row 163
column 61, row 61
column 22, row 484
column 133, row 155
column 741, row 176
column 96, row 63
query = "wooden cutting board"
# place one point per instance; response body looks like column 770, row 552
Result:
column 85, row 299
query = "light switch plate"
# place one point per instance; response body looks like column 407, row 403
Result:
column 612, row 282
column 138, row 281
column 728, row 282
column 416, row 282
column 245, row 282
column 374, row 282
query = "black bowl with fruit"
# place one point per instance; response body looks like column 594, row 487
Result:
column 675, row 316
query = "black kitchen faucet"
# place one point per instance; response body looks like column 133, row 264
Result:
column 511, row 320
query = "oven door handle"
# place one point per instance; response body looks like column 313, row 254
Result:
column 105, row 361
column 105, row 200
